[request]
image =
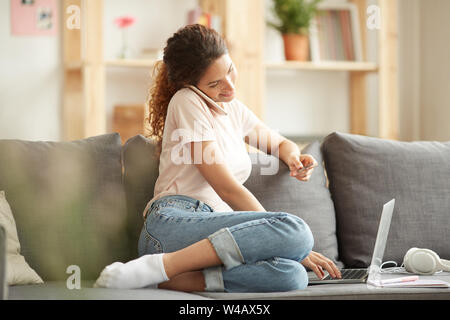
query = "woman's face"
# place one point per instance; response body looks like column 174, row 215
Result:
column 218, row 80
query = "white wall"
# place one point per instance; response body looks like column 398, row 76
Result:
column 424, row 55
column 30, row 84
column 435, row 70
column 409, row 69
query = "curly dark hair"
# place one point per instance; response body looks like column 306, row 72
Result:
column 187, row 56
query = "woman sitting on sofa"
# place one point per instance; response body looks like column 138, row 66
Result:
column 203, row 230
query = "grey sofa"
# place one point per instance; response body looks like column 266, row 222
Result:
column 80, row 203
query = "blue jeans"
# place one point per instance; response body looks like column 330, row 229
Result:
column 260, row 251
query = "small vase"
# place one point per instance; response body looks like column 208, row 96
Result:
column 125, row 51
column 296, row 46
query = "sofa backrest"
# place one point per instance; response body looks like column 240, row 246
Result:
column 73, row 206
column 141, row 169
column 68, row 203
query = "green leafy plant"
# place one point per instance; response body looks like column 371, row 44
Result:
column 294, row 15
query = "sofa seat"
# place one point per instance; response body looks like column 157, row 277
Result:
column 359, row 291
column 339, row 292
column 57, row 290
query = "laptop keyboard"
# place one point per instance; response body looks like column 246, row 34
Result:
column 350, row 274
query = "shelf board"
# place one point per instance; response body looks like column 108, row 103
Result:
column 73, row 65
column 324, row 66
column 132, row 63
column 287, row 65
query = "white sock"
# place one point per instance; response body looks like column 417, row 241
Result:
column 142, row 272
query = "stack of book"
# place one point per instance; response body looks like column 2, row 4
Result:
column 204, row 18
column 335, row 36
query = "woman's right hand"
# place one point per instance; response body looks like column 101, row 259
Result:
column 317, row 262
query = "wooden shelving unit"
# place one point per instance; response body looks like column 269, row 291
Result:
column 291, row 65
column 243, row 27
column 83, row 113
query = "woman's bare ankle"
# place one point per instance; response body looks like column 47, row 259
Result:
column 197, row 256
column 187, row 282
column 169, row 267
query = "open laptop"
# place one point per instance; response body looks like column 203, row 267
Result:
column 361, row 275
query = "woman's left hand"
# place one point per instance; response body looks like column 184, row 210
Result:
column 296, row 163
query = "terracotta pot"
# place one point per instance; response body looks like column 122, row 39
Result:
column 296, row 46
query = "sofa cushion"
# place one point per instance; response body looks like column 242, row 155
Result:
column 57, row 290
column 276, row 190
column 68, row 202
column 141, row 168
column 17, row 269
column 366, row 172
column 269, row 181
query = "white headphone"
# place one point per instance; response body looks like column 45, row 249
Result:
column 424, row 261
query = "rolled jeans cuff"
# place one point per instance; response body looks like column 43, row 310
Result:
column 214, row 279
column 226, row 248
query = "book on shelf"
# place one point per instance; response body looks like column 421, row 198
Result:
column 335, row 34
column 209, row 20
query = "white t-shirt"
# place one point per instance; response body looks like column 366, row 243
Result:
column 193, row 116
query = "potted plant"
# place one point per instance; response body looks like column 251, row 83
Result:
column 294, row 20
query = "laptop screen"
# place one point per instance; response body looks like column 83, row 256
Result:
column 382, row 235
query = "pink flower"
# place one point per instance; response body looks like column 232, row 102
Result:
column 124, row 21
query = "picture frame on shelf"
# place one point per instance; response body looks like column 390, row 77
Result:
column 335, row 34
